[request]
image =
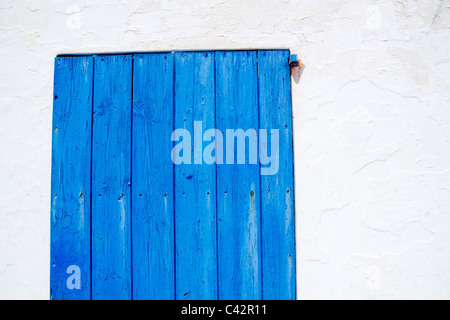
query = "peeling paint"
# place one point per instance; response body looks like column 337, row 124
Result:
column 371, row 124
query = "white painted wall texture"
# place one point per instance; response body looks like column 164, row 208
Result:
column 372, row 128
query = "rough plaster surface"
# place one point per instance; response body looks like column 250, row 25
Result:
column 372, row 128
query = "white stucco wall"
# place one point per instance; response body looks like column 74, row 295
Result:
column 372, row 128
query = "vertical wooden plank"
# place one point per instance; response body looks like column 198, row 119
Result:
column 238, row 190
column 111, row 178
column 71, row 172
column 277, row 190
column 153, row 215
column 195, row 183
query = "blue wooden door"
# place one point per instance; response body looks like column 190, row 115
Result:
column 172, row 177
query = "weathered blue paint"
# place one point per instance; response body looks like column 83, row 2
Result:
column 195, row 185
column 293, row 59
column 153, row 212
column 238, row 195
column 277, row 191
column 111, row 178
column 71, row 174
column 161, row 231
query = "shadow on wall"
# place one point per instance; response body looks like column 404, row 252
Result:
column 297, row 71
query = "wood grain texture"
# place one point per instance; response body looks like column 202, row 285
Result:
column 195, row 184
column 277, row 191
column 143, row 228
column 238, row 192
column 153, row 211
column 71, row 173
column 111, row 178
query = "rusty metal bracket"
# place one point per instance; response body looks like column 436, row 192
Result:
column 297, row 67
column 293, row 60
